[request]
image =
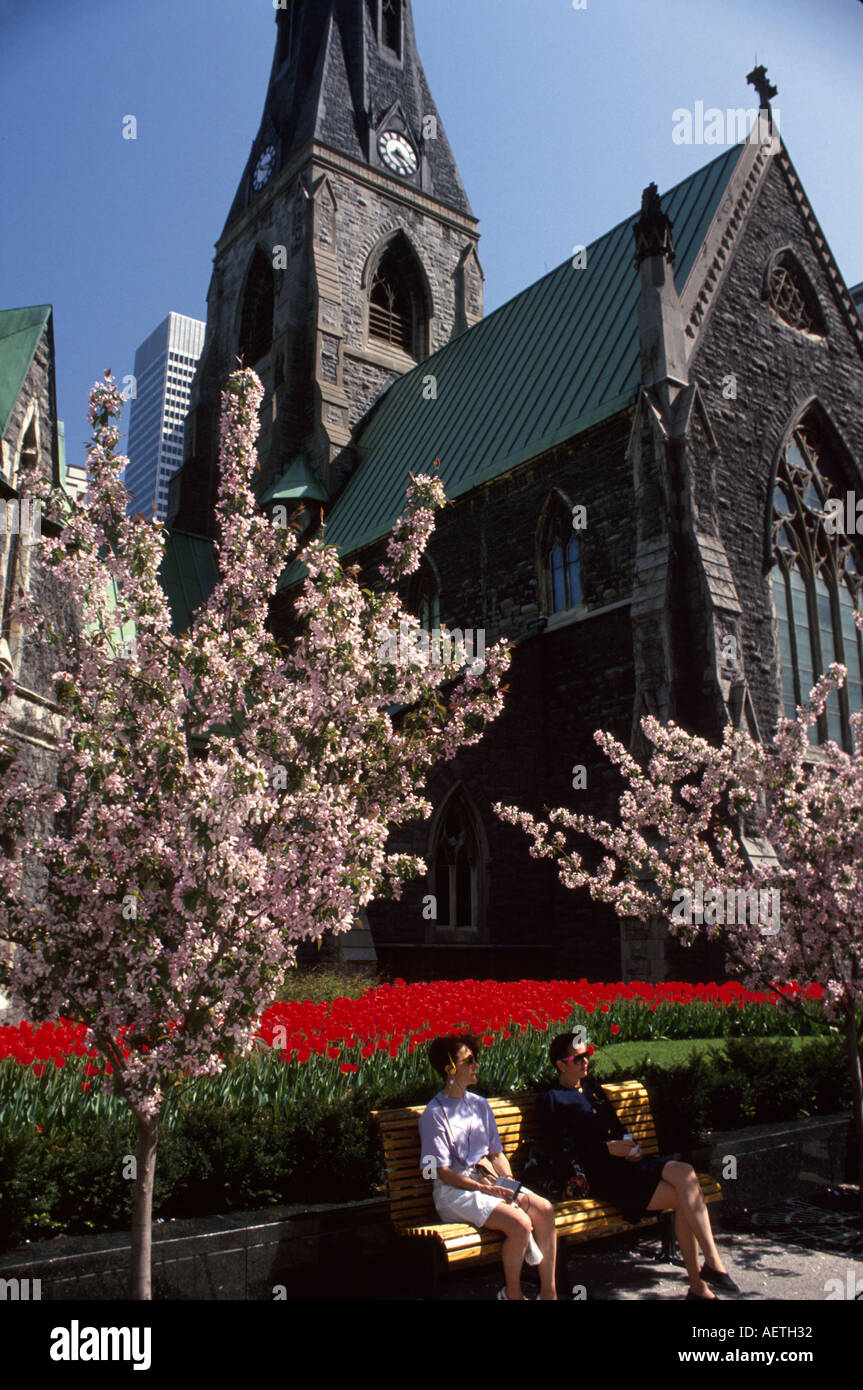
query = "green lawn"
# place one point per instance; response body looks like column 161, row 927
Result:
column 667, row 1052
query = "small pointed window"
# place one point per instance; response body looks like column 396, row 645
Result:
column 256, row 319
column 563, row 566
column 456, row 867
column 391, row 26
column 424, row 599
column 289, row 25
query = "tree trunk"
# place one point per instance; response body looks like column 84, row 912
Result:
column 853, row 1046
column 142, row 1207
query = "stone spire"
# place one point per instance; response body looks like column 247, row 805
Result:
column 342, row 71
column 660, row 322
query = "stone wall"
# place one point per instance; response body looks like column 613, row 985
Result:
column 778, row 371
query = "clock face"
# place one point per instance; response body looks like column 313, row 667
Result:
column 264, row 167
column 397, row 153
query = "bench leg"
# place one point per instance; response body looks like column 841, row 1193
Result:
column 667, row 1253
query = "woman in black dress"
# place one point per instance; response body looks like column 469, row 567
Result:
column 579, row 1123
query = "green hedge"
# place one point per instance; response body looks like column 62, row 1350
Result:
column 742, row 1082
column 213, row 1159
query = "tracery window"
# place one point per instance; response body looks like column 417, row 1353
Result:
column 792, row 297
column 256, row 318
column 816, row 584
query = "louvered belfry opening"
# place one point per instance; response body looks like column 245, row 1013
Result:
column 256, row 320
column 396, row 301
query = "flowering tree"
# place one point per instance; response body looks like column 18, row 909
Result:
column 794, row 912
column 169, row 890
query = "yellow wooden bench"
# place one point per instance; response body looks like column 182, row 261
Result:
column 410, row 1195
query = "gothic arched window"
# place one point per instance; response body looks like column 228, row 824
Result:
column 424, row 598
column 397, row 312
column 456, row 866
column 560, row 559
column 256, row 317
column 816, row 584
column 791, row 296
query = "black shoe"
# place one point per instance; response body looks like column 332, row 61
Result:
column 719, row 1281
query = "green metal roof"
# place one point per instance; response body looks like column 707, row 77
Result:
column 20, row 331
column 188, row 574
column 552, row 362
column 297, row 482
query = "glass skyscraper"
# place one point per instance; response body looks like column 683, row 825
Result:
column 164, row 366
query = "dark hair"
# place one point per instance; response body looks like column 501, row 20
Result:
column 442, row 1051
column 561, row 1047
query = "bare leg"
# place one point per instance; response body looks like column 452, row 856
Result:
column 666, row 1197
column 682, row 1178
column 541, row 1213
column 515, row 1225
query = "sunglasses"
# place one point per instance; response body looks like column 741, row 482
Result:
column 468, row 1061
column 576, row 1057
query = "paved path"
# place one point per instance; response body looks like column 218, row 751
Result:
column 789, row 1251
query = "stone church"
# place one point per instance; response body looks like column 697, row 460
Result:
column 640, row 447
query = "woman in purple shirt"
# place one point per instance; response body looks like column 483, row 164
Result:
column 458, row 1131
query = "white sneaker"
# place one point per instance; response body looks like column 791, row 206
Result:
column 534, row 1254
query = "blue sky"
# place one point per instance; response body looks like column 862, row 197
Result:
column 558, row 119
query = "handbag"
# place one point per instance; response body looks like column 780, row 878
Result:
column 577, row 1185
column 562, row 1179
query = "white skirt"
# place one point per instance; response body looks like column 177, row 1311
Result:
column 463, row 1204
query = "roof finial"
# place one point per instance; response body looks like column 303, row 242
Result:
column 653, row 229
column 764, row 87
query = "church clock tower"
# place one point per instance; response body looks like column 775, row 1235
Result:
column 349, row 253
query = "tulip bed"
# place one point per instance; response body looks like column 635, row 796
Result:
column 375, row 1043
column 291, row 1121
